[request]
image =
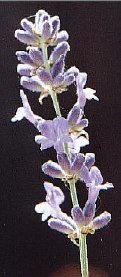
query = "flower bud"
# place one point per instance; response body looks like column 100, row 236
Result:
column 62, row 36
column 69, row 79
column 44, row 76
column 58, row 80
column 31, row 83
column 38, row 17
column 58, row 67
column 77, row 163
column 72, row 70
column 101, row 220
column 89, row 212
column 78, row 215
column 73, row 115
column 26, row 37
column 24, row 69
column 82, row 123
column 60, row 226
column 89, row 159
column 27, row 25
column 64, row 161
column 46, row 30
column 24, row 57
column 52, row 169
column 36, row 56
column 55, row 24
column 60, row 49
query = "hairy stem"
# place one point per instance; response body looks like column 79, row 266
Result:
column 83, row 255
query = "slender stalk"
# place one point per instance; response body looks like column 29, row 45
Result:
column 55, row 102
column 73, row 193
column 83, row 255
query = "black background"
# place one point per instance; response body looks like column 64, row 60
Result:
column 28, row 247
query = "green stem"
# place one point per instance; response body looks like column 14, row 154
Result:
column 73, row 193
column 83, row 255
column 55, row 102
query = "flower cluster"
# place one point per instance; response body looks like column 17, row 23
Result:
column 45, row 73
column 83, row 221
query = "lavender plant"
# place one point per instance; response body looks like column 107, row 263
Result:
column 45, row 73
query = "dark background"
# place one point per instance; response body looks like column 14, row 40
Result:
column 28, row 247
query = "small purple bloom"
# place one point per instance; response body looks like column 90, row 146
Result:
column 94, row 180
column 54, row 199
column 54, row 133
column 25, row 111
column 82, row 93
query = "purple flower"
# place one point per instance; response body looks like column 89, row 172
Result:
column 54, row 198
column 82, row 93
column 25, row 111
column 76, row 129
column 53, row 133
column 94, row 180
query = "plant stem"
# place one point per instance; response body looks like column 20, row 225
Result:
column 55, row 102
column 73, row 193
column 83, row 255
